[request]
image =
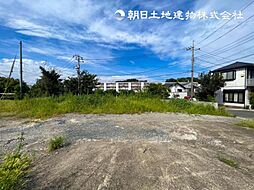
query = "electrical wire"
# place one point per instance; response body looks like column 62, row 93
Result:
column 229, row 31
column 211, row 34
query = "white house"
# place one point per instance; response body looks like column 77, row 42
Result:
column 239, row 83
column 181, row 89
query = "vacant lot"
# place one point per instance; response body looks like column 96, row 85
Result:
column 146, row 151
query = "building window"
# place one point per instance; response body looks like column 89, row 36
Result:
column 234, row 96
column 241, row 98
column 229, row 75
column 250, row 74
column 179, row 90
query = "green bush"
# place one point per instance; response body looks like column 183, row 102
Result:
column 14, row 169
column 56, row 143
column 157, row 90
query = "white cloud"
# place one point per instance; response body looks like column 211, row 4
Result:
column 78, row 21
column 31, row 71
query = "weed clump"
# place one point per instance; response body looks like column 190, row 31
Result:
column 56, row 143
column 228, row 161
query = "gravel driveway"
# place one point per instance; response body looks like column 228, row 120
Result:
column 146, row 151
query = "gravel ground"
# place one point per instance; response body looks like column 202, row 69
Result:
column 146, row 151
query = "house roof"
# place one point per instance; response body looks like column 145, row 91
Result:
column 170, row 84
column 235, row 65
column 185, row 85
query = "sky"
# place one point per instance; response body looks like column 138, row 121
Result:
column 52, row 31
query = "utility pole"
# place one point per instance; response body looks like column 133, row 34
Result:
column 21, row 70
column 79, row 59
column 192, row 48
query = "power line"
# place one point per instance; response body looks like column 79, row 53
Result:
column 212, row 33
column 213, row 55
column 246, row 56
column 154, row 76
column 123, row 57
column 147, row 71
column 233, row 45
column 229, row 31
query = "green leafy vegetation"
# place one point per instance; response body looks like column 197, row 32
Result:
column 98, row 104
column 246, row 123
column 10, row 85
column 210, row 83
column 158, row 90
column 184, row 79
column 14, row 168
column 56, row 143
column 228, row 161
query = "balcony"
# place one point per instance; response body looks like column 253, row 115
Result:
column 250, row 82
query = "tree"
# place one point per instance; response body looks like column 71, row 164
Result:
column 11, row 85
column 48, row 85
column 88, row 83
column 171, row 80
column 183, row 79
column 129, row 80
column 210, row 83
column 157, row 90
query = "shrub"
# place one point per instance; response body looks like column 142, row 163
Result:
column 14, row 168
column 56, row 143
column 158, row 90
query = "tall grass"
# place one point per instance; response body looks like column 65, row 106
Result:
column 97, row 104
column 14, row 168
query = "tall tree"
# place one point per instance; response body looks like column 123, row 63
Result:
column 48, row 85
column 210, row 83
column 88, row 82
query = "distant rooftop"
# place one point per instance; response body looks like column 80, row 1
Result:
column 235, row 65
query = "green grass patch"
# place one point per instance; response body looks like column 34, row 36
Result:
column 14, row 168
column 246, row 123
column 56, row 143
column 228, row 161
column 101, row 104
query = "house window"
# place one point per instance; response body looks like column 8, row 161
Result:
column 229, row 75
column 180, row 90
column 234, row 96
column 251, row 74
column 241, row 99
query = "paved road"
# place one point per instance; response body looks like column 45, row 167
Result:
column 242, row 113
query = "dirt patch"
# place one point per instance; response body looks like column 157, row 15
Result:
column 147, row 151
